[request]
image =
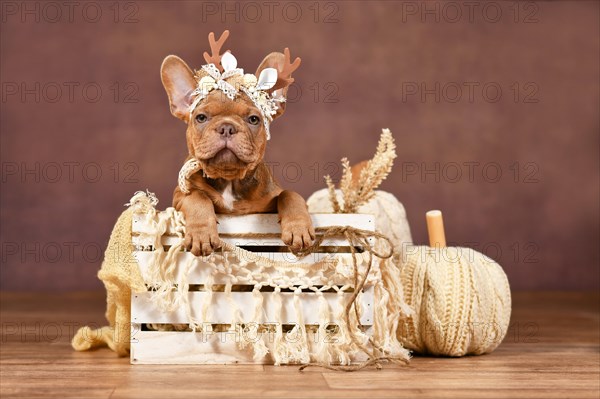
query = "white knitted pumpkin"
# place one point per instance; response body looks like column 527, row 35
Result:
column 390, row 216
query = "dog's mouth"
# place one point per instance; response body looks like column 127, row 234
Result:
column 225, row 163
column 225, row 153
column 225, row 156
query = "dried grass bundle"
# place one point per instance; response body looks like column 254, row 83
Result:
column 356, row 192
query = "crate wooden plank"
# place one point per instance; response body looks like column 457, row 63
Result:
column 265, row 223
column 259, row 224
column 269, row 222
column 143, row 310
column 158, row 347
column 170, row 240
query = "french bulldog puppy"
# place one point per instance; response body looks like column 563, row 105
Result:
column 228, row 139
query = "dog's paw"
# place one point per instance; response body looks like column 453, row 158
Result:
column 202, row 239
column 298, row 234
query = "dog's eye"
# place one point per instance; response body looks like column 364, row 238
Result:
column 201, row 118
column 253, row 119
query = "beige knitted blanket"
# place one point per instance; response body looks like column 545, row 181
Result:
column 120, row 274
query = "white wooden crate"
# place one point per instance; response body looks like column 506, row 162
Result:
column 220, row 347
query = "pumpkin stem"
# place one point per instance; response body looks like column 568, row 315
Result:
column 435, row 229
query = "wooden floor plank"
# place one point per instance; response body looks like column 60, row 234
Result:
column 552, row 350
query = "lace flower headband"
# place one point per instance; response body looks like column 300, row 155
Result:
column 221, row 73
column 233, row 81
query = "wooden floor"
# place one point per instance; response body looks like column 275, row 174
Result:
column 552, row 350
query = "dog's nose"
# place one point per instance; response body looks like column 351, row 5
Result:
column 227, row 130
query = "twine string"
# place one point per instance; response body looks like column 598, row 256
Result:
column 356, row 238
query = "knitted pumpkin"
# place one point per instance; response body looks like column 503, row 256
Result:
column 460, row 297
column 390, row 216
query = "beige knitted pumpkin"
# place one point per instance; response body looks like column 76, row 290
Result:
column 461, row 298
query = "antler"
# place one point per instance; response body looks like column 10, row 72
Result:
column 284, row 77
column 215, row 48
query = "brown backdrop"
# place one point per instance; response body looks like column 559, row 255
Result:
column 494, row 107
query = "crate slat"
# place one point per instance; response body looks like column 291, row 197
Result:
column 143, row 310
column 156, row 347
column 259, row 224
column 170, row 240
column 266, row 223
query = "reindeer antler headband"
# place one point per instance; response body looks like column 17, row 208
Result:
column 221, row 73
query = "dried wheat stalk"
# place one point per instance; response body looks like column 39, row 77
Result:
column 358, row 192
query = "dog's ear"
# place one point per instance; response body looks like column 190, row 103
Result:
column 281, row 62
column 179, row 82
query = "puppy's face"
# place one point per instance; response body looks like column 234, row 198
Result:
column 226, row 136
